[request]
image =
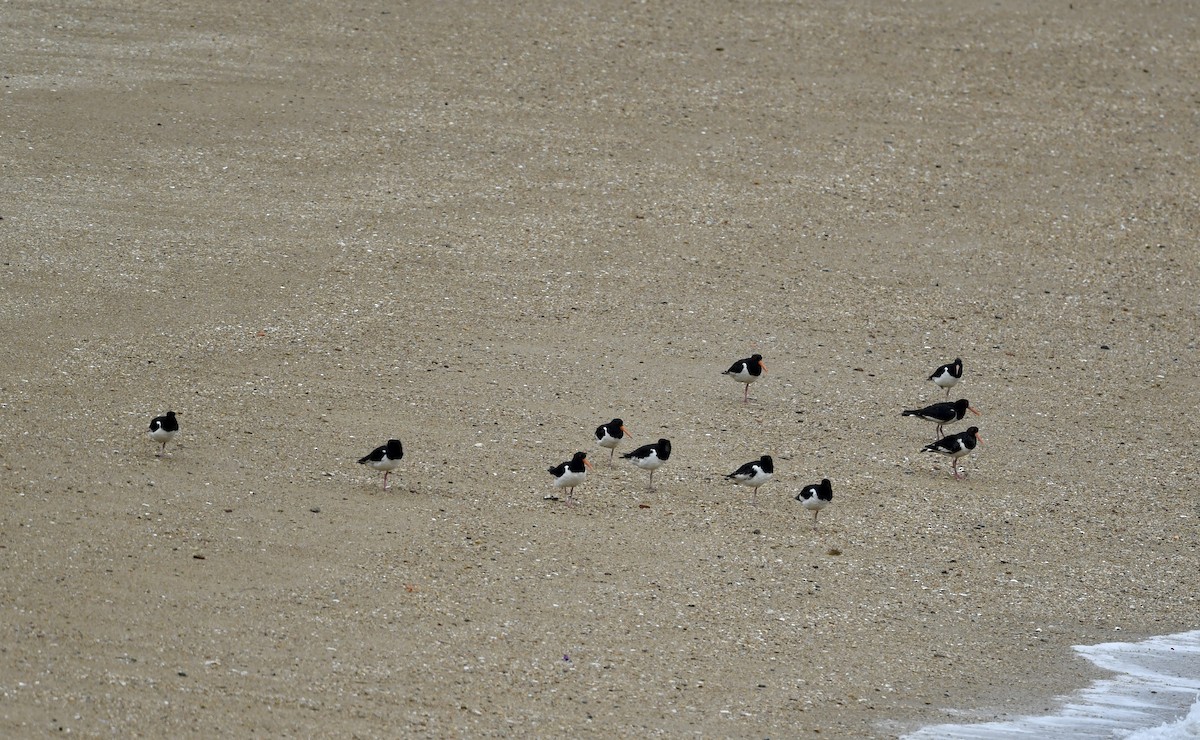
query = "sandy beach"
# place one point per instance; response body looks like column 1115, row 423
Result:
column 487, row 228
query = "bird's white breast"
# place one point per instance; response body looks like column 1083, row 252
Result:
column 570, row 479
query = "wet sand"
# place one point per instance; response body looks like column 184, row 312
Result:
column 486, row 229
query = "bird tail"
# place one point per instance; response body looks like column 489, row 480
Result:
column 909, row 412
column 364, row 460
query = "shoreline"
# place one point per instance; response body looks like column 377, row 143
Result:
column 1153, row 686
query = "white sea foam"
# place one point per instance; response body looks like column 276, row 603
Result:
column 1155, row 695
column 1188, row 727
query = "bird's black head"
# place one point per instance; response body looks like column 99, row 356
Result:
column 767, row 464
column 663, row 449
column 579, row 462
column 166, row 422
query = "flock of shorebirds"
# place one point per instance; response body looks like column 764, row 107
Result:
column 650, row 457
column 953, row 446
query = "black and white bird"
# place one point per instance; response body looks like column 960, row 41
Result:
column 948, row 375
column 816, row 497
column 747, row 371
column 956, row 446
column 651, row 457
column 163, row 429
column 945, row 412
column 385, row 457
column 610, row 435
column 754, row 474
column 570, row 473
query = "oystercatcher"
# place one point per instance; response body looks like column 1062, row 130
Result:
column 385, row 457
column 747, row 371
column 754, row 474
column 610, row 435
column 955, row 446
column 163, row 429
column 571, row 473
column 651, row 457
column 816, row 497
column 948, row 375
column 945, row 412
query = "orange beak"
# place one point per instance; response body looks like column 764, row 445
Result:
column 587, row 462
column 973, row 411
column 623, row 429
column 978, row 439
column 762, row 365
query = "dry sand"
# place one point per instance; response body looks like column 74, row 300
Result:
column 487, row 228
